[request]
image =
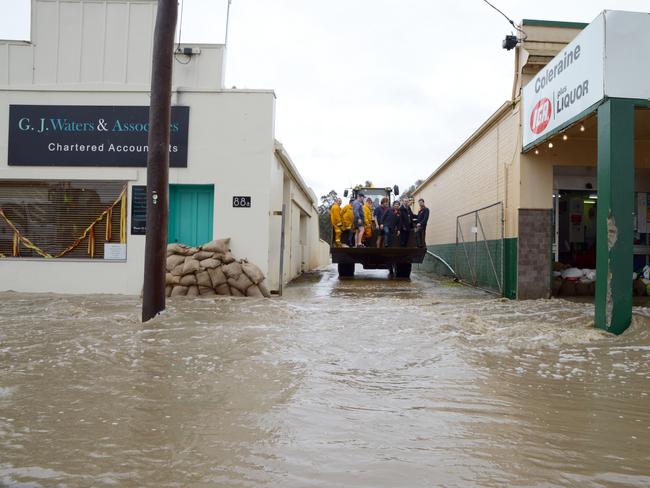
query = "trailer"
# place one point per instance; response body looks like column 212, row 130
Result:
column 396, row 259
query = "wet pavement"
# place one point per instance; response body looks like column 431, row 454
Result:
column 367, row 382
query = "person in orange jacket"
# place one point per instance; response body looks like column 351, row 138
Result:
column 347, row 219
column 337, row 223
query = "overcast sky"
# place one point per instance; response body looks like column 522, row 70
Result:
column 380, row 90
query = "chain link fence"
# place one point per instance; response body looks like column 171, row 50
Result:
column 479, row 254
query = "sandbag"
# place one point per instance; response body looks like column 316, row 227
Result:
column 203, row 279
column 639, row 288
column 168, row 290
column 573, row 273
column 254, row 291
column 206, row 291
column 188, row 280
column 179, row 291
column 557, row 285
column 175, row 248
column 170, row 279
column 235, row 292
column 201, row 255
column 217, row 277
column 178, row 270
column 223, row 289
column 582, row 289
column 174, row 260
column 210, row 263
column 253, row 272
column 218, row 245
column 180, row 249
column 190, row 266
column 265, row 291
column 568, row 288
column 242, row 283
column 193, row 291
column 232, row 270
column 227, row 258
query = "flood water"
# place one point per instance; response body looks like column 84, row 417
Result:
column 359, row 383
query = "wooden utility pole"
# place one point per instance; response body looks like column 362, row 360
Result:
column 153, row 296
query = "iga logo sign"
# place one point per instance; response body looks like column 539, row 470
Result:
column 541, row 115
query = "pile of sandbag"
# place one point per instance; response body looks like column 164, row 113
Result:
column 211, row 270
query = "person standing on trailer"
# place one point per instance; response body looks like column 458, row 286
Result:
column 359, row 227
column 337, row 224
column 390, row 223
column 421, row 225
column 406, row 222
column 367, row 216
column 347, row 221
column 378, row 215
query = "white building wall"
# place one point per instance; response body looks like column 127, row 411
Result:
column 98, row 52
column 233, row 153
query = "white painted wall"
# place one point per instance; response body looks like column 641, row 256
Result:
column 231, row 141
column 99, row 43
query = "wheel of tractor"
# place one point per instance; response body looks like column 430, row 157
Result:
column 346, row 270
column 403, row 270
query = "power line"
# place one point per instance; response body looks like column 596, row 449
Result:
column 510, row 21
column 180, row 32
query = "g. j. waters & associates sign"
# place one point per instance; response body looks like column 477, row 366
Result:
column 84, row 135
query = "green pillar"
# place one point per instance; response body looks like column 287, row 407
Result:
column 615, row 215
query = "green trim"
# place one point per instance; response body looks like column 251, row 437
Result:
column 614, row 229
column 482, row 267
column 510, row 248
column 554, row 23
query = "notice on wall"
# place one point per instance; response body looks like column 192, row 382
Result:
column 114, row 251
column 138, row 210
column 84, row 135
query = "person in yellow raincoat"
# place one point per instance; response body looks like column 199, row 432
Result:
column 347, row 219
column 367, row 215
column 337, row 223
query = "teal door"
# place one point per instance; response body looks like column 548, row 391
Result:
column 191, row 214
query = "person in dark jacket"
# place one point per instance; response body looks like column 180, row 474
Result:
column 379, row 212
column 421, row 225
column 390, row 223
column 406, row 222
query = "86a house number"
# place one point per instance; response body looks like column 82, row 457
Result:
column 241, row 202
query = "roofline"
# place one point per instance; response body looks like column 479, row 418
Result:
column 554, row 23
column 502, row 110
column 284, row 157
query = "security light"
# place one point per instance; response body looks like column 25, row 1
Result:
column 510, row 42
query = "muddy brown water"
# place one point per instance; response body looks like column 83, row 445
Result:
column 359, row 383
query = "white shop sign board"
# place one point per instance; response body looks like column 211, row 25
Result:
column 607, row 59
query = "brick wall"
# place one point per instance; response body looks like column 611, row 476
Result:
column 534, row 262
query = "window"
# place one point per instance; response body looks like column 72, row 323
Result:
column 60, row 218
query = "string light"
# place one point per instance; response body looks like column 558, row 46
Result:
column 582, row 128
column 536, row 151
column 550, row 145
column 565, row 137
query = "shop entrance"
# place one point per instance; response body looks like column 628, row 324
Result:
column 575, row 227
column 191, row 210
